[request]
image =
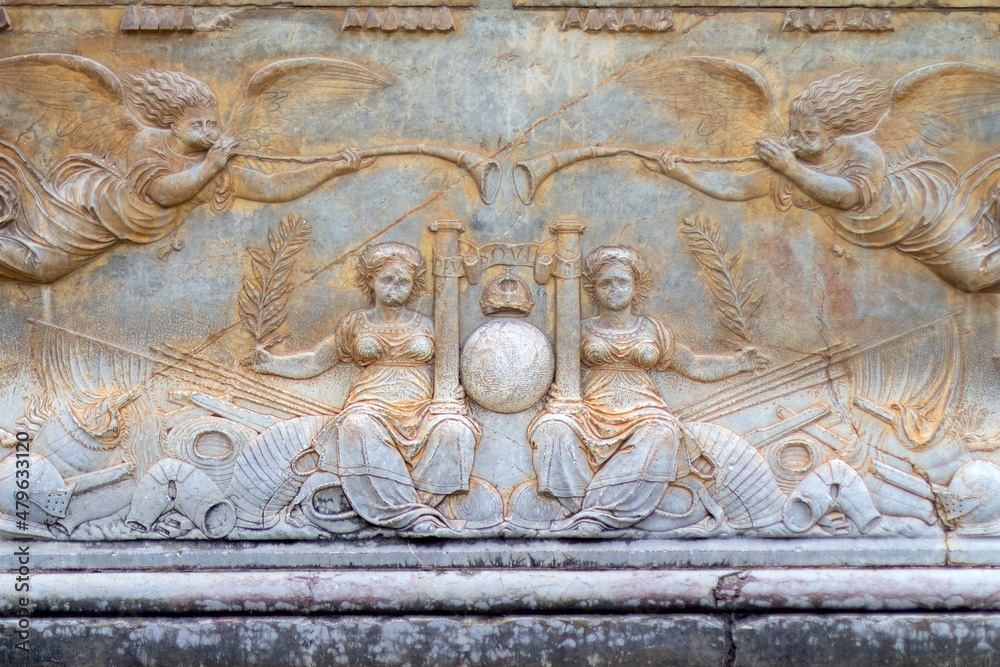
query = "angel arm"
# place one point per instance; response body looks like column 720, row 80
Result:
column 836, row 191
column 288, row 185
column 174, row 189
column 718, row 184
column 281, row 102
column 833, row 191
column 710, row 367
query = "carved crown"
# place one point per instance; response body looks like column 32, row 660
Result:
column 506, row 294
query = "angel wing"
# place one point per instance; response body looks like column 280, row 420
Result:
column 284, row 98
column 69, row 98
column 728, row 102
column 929, row 106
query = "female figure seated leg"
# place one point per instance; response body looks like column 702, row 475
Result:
column 617, row 493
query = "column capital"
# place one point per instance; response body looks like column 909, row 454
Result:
column 567, row 226
column 447, row 225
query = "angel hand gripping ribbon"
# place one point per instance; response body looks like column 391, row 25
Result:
column 132, row 156
column 861, row 153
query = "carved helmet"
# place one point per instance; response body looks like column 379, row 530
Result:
column 971, row 503
column 48, row 495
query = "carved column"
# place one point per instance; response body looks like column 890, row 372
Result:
column 447, row 267
column 566, row 273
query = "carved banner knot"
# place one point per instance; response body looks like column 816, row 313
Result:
column 567, row 267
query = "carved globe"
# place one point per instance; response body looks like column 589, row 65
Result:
column 507, row 365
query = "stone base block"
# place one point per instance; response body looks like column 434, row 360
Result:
column 890, row 640
column 680, row 640
column 910, row 640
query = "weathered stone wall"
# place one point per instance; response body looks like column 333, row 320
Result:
column 336, row 334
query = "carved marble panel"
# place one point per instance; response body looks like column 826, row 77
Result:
column 434, row 272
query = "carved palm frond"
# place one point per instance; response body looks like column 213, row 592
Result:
column 734, row 295
column 266, row 287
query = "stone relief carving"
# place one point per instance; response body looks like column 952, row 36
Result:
column 618, row 20
column 860, row 152
column 407, row 19
column 154, row 151
column 397, row 453
column 172, row 442
column 850, row 20
column 608, row 460
column 610, row 455
column 167, row 19
column 507, row 363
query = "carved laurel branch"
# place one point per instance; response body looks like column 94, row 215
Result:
column 265, row 289
column 734, row 295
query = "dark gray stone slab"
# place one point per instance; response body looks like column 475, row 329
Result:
column 370, row 641
column 904, row 640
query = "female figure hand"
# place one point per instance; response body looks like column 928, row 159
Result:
column 751, row 359
column 258, row 359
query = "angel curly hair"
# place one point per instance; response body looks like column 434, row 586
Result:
column 845, row 103
column 378, row 255
column 163, row 96
column 606, row 256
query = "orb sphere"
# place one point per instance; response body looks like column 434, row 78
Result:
column 507, row 365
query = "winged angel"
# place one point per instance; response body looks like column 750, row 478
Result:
column 132, row 156
column 862, row 153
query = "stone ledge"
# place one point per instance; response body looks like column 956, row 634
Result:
column 508, row 591
column 354, row 640
column 739, row 552
column 918, row 5
column 903, row 5
column 237, row 4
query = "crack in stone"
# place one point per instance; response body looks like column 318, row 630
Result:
column 727, row 634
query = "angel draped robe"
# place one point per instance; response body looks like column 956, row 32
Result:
column 49, row 227
column 389, row 445
column 920, row 208
column 622, row 450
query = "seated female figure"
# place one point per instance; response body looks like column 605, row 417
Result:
column 610, row 464
column 396, row 459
